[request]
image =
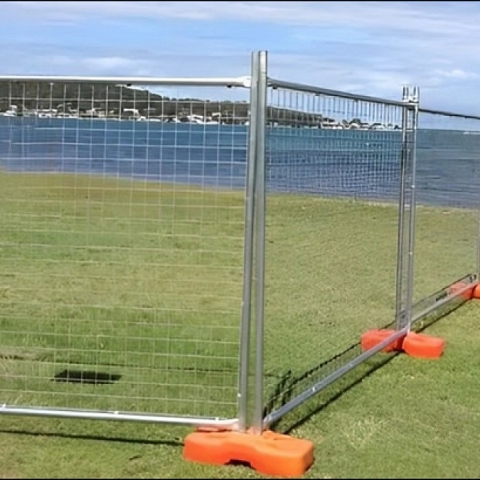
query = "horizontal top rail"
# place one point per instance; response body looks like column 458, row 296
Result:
column 449, row 114
column 130, row 81
column 334, row 93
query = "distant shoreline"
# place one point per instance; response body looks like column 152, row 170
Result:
column 198, row 120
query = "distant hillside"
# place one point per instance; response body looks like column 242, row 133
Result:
column 117, row 101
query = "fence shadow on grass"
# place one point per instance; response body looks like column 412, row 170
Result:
column 289, row 385
column 172, row 442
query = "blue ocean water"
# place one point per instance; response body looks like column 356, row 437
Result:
column 356, row 163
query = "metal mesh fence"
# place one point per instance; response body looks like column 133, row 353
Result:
column 448, row 195
column 123, row 281
column 333, row 185
column 121, row 239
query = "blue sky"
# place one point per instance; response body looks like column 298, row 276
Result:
column 371, row 48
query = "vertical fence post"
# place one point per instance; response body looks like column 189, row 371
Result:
column 400, row 313
column 248, row 261
column 406, row 217
column 260, row 65
column 477, row 271
column 254, row 244
column 407, row 207
column 412, row 143
column 400, row 287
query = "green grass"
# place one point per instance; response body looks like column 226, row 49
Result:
column 144, row 280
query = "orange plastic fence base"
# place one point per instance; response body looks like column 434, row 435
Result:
column 414, row 344
column 476, row 291
column 269, row 453
column 467, row 294
column 372, row 338
column 423, row 346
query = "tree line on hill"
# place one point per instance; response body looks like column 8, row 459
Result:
column 119, row 101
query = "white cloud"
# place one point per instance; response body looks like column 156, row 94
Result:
column 456, row 73
column 406, row 16
column 108, row 63
column 366, row 47
column 431, row 29
column 59, row 60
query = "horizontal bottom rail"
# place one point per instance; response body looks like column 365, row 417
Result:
column 443, row 297
column 214, row 423
column 319, row 386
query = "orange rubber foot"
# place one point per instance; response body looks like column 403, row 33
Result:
column 372, row 338
column 467, row 294
column 269, row 453
column 423, row 346
column 476, row 291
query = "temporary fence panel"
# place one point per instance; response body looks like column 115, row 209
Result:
column 122, row 211
column 335, row 170
column 448, row 199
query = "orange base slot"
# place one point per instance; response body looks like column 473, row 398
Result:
column 269, row 453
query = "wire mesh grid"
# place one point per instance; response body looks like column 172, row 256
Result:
column 448, row 197
column 121, row 239
column 333, row 185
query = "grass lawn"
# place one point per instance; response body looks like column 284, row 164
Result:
column 144, row 281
